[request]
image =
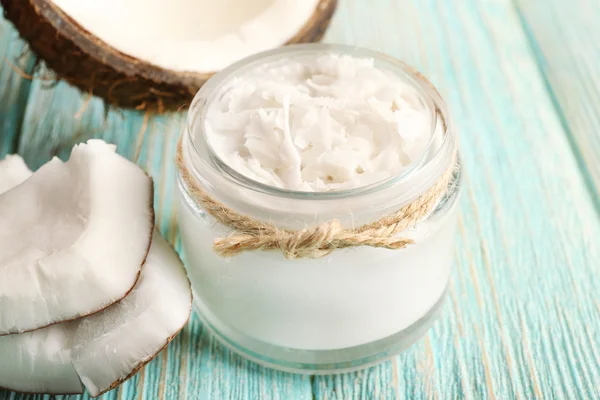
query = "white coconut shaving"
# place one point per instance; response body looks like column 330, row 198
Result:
column 330, row 122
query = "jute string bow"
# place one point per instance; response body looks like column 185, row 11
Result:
column 318, row 241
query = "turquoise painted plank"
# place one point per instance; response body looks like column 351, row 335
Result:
column 522, row 317
column 15, row 65
column 523, row 304
column 564, row 37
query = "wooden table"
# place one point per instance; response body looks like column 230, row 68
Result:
column 522, row 79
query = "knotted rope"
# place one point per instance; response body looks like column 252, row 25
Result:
column 318, row 241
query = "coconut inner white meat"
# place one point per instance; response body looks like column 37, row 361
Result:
column 13, row 171
column 191, row 35
column 103, row 349
column 73, row 238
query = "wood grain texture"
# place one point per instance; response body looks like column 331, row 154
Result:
column 523, row 314
column 564, row 37
column 16, row 64
column 523, row 293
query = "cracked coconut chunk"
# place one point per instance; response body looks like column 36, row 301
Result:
column 101, row 350
column 104, row 349
column 73, row 238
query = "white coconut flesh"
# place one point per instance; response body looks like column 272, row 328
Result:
column 34, row 362
column 13, row 171
column 191, row 35
column 38, row 362
column 107, row 347
column 73, row 238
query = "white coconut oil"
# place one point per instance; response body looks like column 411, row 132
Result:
column 297, row 137
column 329, row 122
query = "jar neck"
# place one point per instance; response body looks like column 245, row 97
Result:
column 295, row 210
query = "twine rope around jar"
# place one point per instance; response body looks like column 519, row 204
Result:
column 318, row 241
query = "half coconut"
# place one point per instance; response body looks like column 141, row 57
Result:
column 73, row 237
column 156, row 54
column 102, row 350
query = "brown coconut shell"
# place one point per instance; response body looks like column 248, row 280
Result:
column 95, row 67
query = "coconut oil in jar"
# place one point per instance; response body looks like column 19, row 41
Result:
column 302, row 136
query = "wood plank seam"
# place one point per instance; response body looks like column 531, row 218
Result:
column 593, row 191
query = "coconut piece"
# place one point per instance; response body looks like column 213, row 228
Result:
column 44, row 361
column 112, row 346
column 39, row 353
column 73, row 238
column 13, row 171
column 125, row 336
column 105, row 349
column 37, row 362
column 163, row 51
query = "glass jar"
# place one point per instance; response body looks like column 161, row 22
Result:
column 349, row 309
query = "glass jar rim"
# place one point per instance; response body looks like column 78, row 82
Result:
column 415, row 79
